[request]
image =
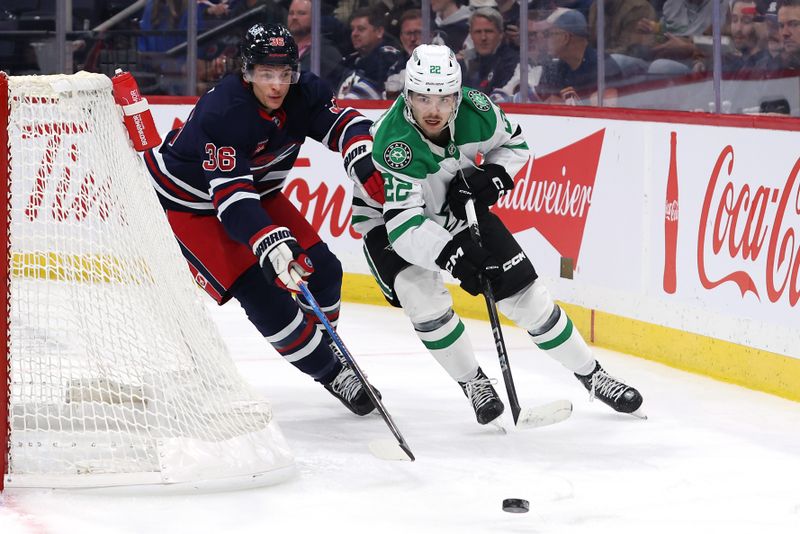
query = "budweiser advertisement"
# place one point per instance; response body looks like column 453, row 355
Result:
column 695, row 227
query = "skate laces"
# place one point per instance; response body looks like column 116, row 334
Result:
column 479, row 390
column 606, row 386
column 346, row 384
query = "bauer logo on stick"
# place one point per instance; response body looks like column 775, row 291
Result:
column 397, row 155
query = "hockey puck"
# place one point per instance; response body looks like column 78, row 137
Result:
column 515, row 506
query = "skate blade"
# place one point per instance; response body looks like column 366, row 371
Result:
column 387, row 449
column 639, row 414
column 546, row 414
column 498, row 424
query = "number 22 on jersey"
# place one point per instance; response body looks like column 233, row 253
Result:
column 395, row 190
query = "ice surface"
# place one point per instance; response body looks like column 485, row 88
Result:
column 711, row 458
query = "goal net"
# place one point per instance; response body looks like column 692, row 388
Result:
column 111, row 372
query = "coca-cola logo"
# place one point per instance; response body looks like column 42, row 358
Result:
column 737, row 221
column 553, row 194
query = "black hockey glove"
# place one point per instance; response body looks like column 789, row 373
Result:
column 468, row 262
column 277, row 251
column 361, row 169
column 485, row 185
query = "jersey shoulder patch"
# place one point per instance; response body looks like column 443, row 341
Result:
column 477, row 118
column 479, row 100
column 398, row 146
column 397, row 155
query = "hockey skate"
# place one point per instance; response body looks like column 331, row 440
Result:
column 347, row 388
column 485, row 402
column 612, row 391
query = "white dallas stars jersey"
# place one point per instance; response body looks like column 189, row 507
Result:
column 417, row 174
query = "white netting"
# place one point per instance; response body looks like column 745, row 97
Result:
column 117, row 374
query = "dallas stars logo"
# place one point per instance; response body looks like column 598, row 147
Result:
column 397, row 155
column 479, row 99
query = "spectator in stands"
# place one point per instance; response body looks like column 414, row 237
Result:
column 537, row 57
column 410, row 30
column 410, row 38
column 746, row 52
column 168, row 16
column 491, row 63
column 770, row 34
column 393, row 13
column 451, row 23
column 367, row 68
column 572, row 78
column 509, row 10
column 681, row 21
column 621, row 33
column 299, row 24
column 789, row 27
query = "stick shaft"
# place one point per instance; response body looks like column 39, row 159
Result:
column 356, row 369
column 494, row 319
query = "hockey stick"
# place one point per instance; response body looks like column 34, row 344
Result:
column 546, row 414
column 380, row 448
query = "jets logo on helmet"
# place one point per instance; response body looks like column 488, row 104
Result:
column 479, row 99
column 397, row 155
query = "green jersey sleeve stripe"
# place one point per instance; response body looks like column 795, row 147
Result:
column 413, row 222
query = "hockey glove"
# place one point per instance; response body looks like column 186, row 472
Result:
column 485, row 185
column 468, row 262
column 358, row 162
column 278, row 252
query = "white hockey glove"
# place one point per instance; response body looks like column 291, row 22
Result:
column 358, row 162
column 278, row 252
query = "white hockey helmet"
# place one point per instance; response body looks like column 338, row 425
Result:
column 433, row 70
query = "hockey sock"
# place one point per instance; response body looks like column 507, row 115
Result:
column 300, row 343
column 331, row 312
column 447, row 341
column 559, row 338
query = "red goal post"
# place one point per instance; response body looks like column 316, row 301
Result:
column 111, row 372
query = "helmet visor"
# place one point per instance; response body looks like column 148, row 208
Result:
column 279, row 74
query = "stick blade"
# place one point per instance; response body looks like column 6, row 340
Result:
column 546, row 414
column 387, row 449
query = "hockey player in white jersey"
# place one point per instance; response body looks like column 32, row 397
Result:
column 434, row 129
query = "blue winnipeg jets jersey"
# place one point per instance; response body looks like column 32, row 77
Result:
column 231, row 152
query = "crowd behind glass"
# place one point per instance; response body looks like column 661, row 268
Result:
column 727, row 56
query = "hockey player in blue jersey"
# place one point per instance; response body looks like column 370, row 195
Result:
column 219, row 178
